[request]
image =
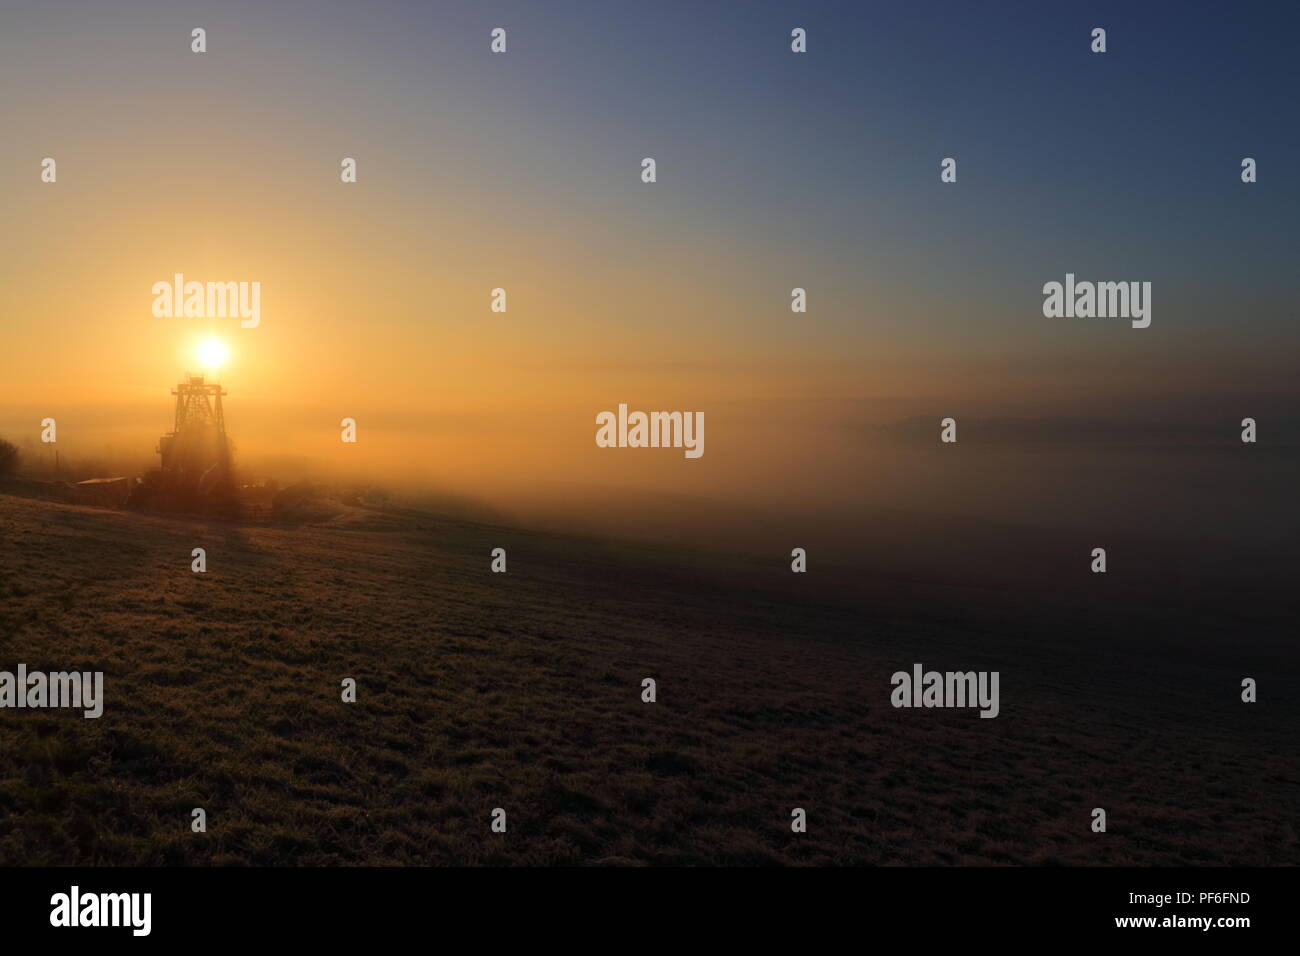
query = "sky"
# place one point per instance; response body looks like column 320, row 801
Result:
column 775, row 171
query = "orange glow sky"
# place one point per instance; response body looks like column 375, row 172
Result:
column 473, row 174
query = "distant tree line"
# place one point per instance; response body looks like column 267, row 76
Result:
column 8, row 457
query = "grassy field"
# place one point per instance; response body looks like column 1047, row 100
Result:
column 522, row 691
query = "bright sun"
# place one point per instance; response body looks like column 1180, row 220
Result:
column 212, row 353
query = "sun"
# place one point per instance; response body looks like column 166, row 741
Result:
column 212, row 353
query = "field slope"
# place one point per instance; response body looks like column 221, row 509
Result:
column 522, row 691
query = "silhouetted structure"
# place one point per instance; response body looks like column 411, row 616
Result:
column 195, row 454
